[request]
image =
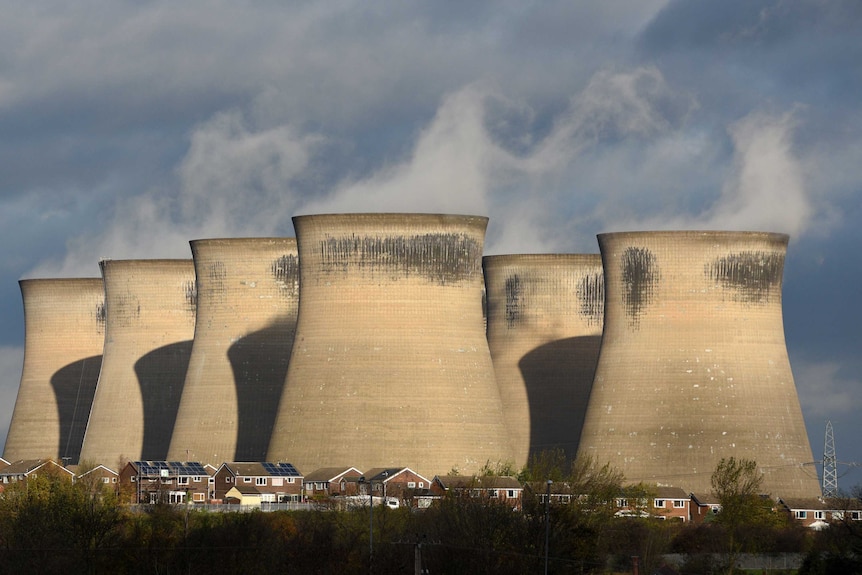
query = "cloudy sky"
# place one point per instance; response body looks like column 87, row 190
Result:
column 129, row 128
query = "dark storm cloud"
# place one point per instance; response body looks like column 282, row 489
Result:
column 788, row 51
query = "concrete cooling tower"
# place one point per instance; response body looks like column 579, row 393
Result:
column 149, row 325
column 390, row 366
column 64, row 326
column 545, row 314
column 247, row 301
column 693, row 366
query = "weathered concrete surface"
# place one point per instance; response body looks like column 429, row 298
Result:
column 64, row 326
column 545, row 314
column 150, row 320
column 693, row 365
column 390, row 366
column 247, row 301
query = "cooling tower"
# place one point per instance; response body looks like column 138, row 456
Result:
column 544, row 329
column 390, row 366
column 248, row 296
column 693, row 366
column 149, row 325
column 64, row 327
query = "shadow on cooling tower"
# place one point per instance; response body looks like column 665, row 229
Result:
column 259, row 362
column 74, row 387
column 161, row 377
column 558, row 377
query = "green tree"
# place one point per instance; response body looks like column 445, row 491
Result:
column 747, row 519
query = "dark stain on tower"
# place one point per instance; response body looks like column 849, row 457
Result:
column 513, row 300
column 639, row 276
column 191, row 295
column 591, row 294
column 100, row 316
column 753, row 277
column 285, row 270
column 441, row 258
column 128, row 310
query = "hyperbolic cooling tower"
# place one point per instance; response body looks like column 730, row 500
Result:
column 64, row 333
column 247, row 300
column 150, row 320
column 544, row 328
column 390, row 366
column 693, row 366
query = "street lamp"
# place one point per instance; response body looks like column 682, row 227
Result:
column 371, row 518
column 547, row 522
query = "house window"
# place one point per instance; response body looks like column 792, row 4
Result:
column 854, row 515
column 197, row 479
column 247, row 479
column 277, row 481
column 182, row 480
column 510, row 494
column 801, row 514
column 211, row 480
column 411, row 485
column 493, row 493
column 199, row 496
column 290, row 479
column 260, row 480
column 659, row 503
column 113, row 479
column 622, row 502
column 228, row 479
column 679, row 503
column 267, row 497
column 106, row 480
column 818, row 515
column 421, row 485
column 134, row 478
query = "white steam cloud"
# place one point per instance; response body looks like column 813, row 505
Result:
column 620, row 156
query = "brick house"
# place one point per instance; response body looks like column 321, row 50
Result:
column 163, row 482
column 671, row 503
column 100, row 475
column 817, row 513
column 330, row 482
column 663, row 503
column 703, row 507
column 276, row 482
column 503, row 489
column 24, row 469
column 400, row 483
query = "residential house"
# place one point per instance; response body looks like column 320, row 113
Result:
column 703, row 507
column 24, row 469
column 663, row 503
column 671, row 503
column 817, row 513
column 164, row 482
column 99, row 476
column 276, row 482
column 504, row 489
column 330, row 482
column 397, row 483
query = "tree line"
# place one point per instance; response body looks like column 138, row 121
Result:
column 50, row 525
